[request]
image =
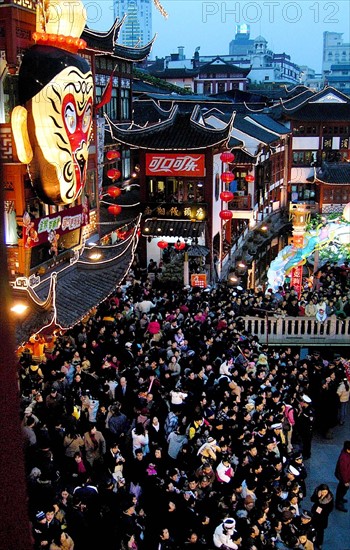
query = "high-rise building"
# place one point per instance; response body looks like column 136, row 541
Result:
column 137, row 28
column 335, row 51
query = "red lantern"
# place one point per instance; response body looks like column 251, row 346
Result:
column 227, row 157
column 249, row 178
column 226, row 215
column 114, row 209
column 179, row 245
column 113, row 174
column 226, row 196
column 162, row 244
column 114, row 192
column 227, row 177
column 121, row 234
column 112, row 155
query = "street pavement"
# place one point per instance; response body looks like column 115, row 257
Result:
column 320, row 469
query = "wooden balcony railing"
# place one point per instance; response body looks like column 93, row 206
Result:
column 299, row 331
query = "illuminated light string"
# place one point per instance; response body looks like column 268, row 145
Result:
column 172, row 115
column 130, row 238
column 134, row 239
column 35, row 298
column 54, row 318
column 292, row 99
column 135, row 243
column 122, row 205
column 132, row 223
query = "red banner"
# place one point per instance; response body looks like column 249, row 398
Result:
column 37, row 231
column 296, row 279
column 175, row 164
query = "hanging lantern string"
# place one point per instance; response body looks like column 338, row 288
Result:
column 122, row 205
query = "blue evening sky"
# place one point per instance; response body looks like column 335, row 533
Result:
column 294, row 27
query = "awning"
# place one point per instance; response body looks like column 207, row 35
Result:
column 172, row 228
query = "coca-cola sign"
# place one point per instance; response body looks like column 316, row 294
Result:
column 175, row 164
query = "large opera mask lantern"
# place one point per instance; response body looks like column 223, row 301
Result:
column 52, row 126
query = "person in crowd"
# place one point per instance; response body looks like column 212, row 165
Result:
column 342, row 473
column 323, row 504
column 343, row 392
column 194, row 411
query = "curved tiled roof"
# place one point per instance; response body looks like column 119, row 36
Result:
column 79, row 287
column 242, row 156
column 133, row 54
column 320, row 112
column 243, row 124
column 223, row 67
column 106, row 42
column 333, row 173
column 103, row 41
column 180, row 131
column 148, row 112
column 178, row 72
column 172, row 228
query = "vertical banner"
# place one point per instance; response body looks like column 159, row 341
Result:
column 100, row 130
column 296, row 279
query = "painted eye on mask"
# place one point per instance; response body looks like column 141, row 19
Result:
column 70, row 118
column 86, row 119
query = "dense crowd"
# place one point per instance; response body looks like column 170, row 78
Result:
column 159, row 423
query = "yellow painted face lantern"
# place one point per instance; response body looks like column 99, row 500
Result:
column 52, row 126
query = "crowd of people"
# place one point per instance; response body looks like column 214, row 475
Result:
column 159, row 423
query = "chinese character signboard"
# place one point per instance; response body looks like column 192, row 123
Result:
column 37, row 231
column 175, row 164
column 186, row 211
column 199, row 279
column 296, row 279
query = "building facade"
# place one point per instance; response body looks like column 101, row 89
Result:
column 320, row 148
column 46, row 228
column 335, row 51
column 137, row 27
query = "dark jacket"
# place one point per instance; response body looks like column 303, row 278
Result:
column 342, row 471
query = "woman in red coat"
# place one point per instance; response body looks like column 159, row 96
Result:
column 342, row 473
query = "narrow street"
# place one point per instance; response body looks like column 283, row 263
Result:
column 321, row 470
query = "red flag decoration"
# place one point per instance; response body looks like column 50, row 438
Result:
column 106, row 94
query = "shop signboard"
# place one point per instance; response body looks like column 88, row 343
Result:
column 199, row 279
column 175, row 164
column 37, row 231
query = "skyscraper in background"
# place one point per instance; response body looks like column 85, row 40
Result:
column 137, row 28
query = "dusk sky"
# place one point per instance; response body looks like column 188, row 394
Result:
column 293, row 27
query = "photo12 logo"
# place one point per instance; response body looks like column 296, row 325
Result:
column 271, row 11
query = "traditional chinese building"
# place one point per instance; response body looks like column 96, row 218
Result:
column 45, row 237
column 320, row 148
column 216, row 76
column 180, row 168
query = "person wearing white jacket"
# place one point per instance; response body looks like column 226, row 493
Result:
column 224, row 471
column 223, row 534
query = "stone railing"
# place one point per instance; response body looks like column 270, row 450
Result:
column 299, row 331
